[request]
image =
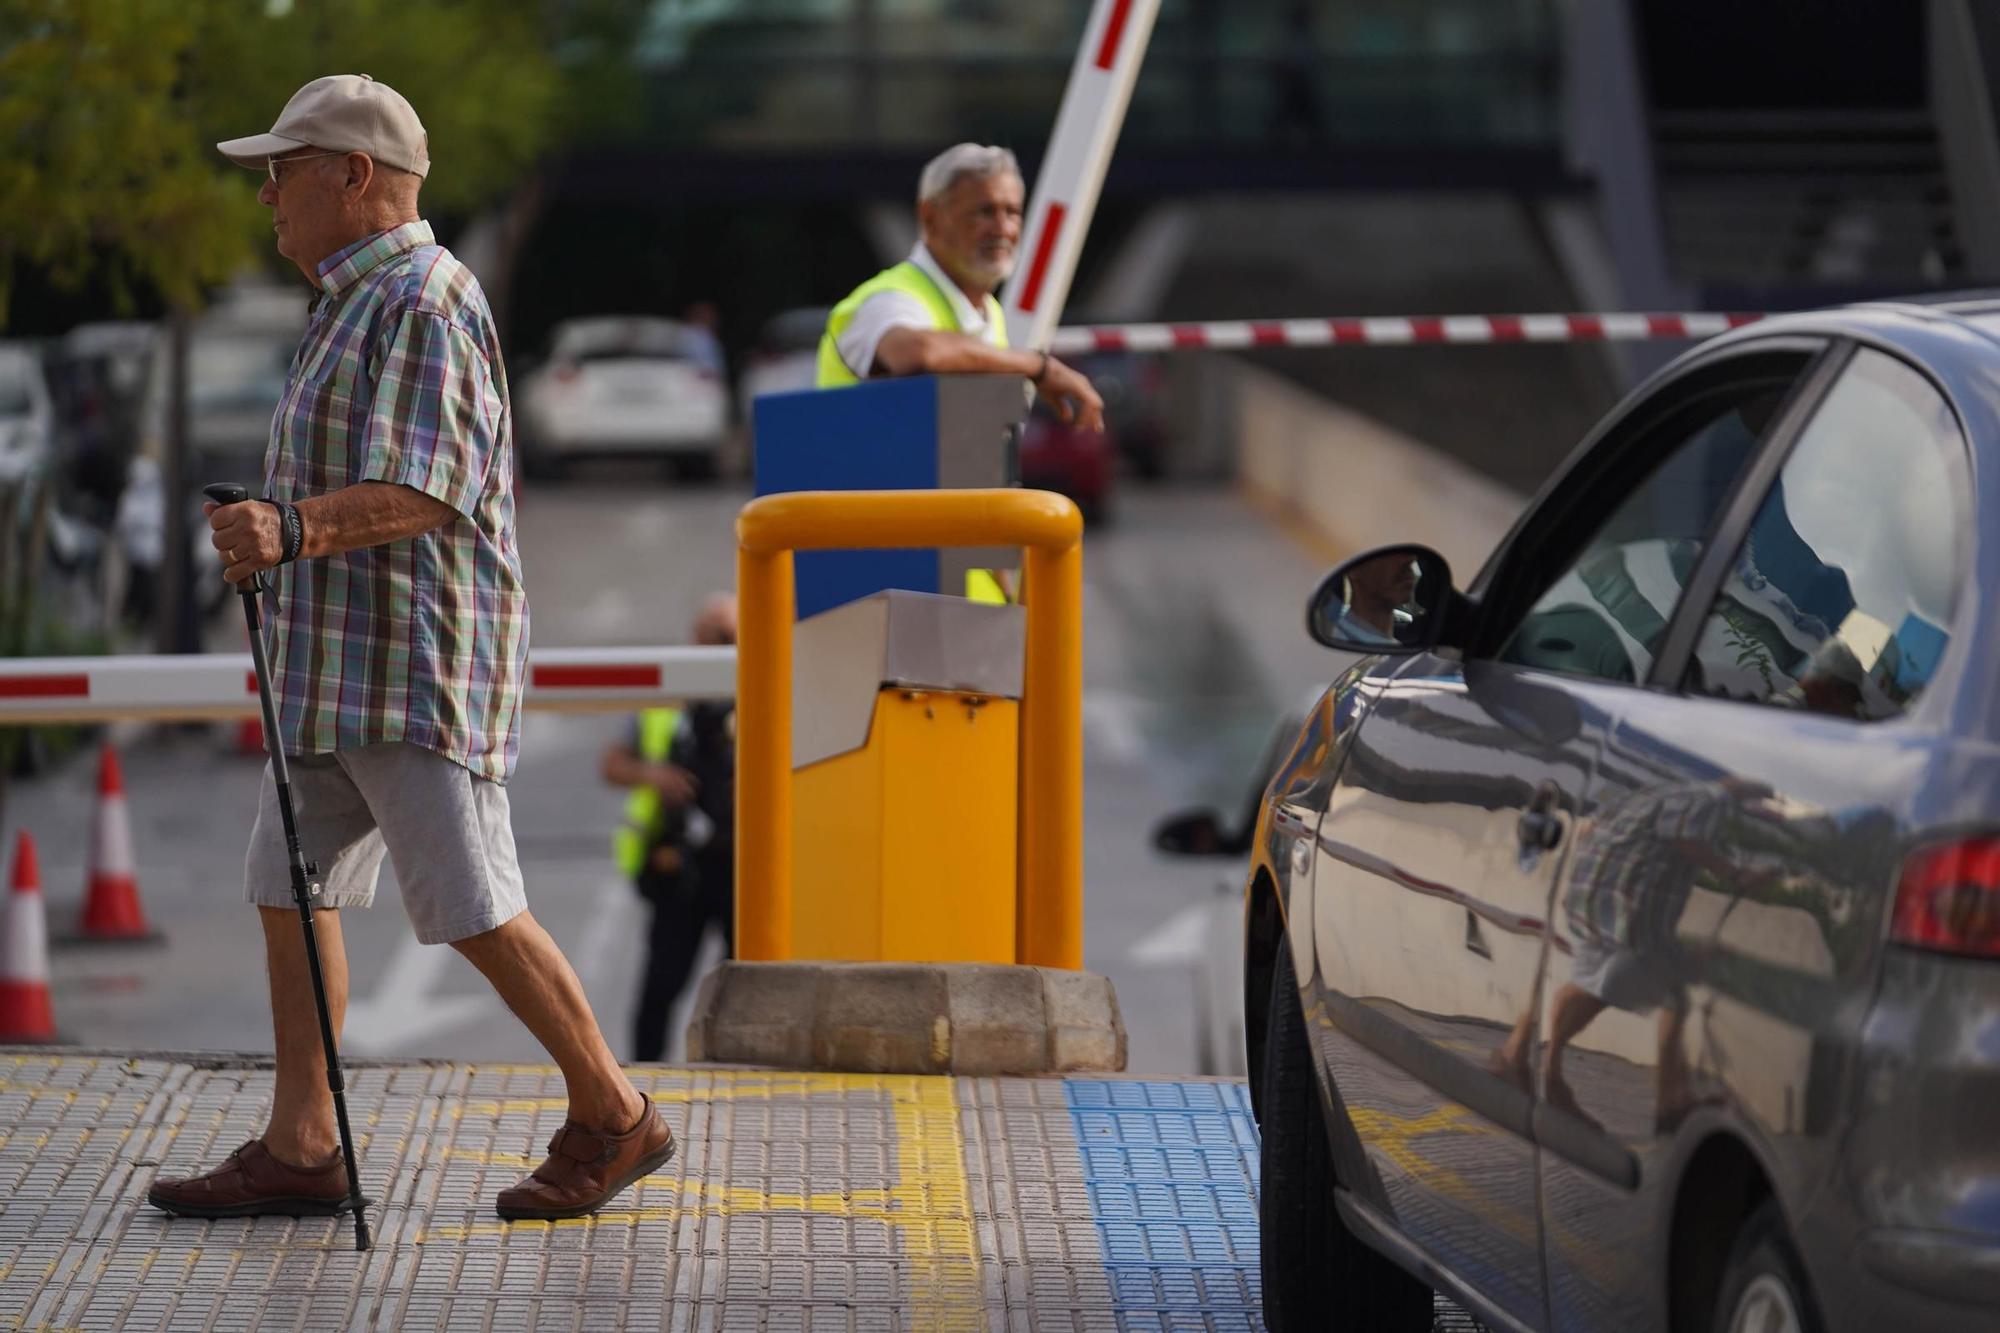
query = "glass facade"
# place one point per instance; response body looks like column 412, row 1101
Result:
column 1282, row 74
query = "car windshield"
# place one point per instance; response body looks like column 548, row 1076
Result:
column 614, row 339
column 227, row 372
column 795, row 330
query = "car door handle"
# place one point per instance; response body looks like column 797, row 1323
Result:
column 1539, row 831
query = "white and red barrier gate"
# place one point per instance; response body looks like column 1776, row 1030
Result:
column 1394, row 331
column 223, row 686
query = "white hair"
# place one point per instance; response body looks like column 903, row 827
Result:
column 962, row 160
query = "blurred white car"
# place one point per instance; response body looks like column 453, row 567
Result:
column 619, row 386
column 239, row 354
column 786, row 356
column 27, row 417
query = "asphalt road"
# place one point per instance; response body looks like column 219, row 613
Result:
column 1193, row 644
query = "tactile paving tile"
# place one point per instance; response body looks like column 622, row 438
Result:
column 1171, row 1168
column 814, row 1202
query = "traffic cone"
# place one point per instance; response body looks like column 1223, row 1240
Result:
column 250, row 736
column 26, row 1012
column 111, row 912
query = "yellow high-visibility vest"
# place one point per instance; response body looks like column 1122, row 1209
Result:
column 982, row 585
column 835, row 373
column 640, row 828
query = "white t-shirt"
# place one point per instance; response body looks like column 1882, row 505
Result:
column 891, row 309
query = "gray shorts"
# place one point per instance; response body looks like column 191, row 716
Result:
column 446, row 830
column 1640, row 980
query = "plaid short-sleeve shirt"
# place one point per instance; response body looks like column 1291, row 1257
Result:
column 1628, row 880
column 425, row 640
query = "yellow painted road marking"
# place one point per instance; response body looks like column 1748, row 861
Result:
column 1392, row 1136
column 929, row 1204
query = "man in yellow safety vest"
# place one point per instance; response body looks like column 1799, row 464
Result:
column 678, row 839
column 935, row 313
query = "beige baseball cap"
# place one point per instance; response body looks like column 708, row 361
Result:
column 345, row 113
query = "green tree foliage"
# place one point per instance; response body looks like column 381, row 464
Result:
column 110, row 110
column 99, row 164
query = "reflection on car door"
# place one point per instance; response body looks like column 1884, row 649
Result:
column 1440, row 847
column 1436, row 860
column 1721, row 914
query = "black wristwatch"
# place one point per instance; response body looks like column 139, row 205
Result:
column 291, row 530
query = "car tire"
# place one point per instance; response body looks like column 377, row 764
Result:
column 1764, row 1285
column 1317, row 1275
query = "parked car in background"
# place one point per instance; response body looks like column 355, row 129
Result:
column 27, row 414
column 1623, row 932
column 1134, row 389
column 100, row 375
column 622, row 386
column 785, row 358
column 239, row 353
column 1217, row 966
column 1081, row 464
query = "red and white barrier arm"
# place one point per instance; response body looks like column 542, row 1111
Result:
column 1393, row 331
column 223, row 685
column 1115, row 38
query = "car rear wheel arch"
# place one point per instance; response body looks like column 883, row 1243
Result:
column 1722, row 1186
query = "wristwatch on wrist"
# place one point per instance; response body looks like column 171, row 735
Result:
column 1041, row 371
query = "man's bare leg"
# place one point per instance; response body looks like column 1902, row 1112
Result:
column 539, row 985
column 1569, row 1014
column 302, row 1130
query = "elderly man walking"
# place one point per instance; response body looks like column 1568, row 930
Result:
column 935, row 313
column 398, row 634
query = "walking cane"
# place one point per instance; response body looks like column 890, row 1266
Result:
column 305, row 882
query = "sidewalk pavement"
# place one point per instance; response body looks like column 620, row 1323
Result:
column 797, row 1201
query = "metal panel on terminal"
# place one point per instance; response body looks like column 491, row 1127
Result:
column 915, row 433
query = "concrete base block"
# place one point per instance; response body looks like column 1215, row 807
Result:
column 907, row 1018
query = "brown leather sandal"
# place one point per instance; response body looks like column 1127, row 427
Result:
column 587, row 1168
column 253, row 1183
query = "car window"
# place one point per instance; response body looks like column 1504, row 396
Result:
column 226, row 371
column 794, row 331
column 15, row 399
column 1840, row 599
column 614, row 340
column 1607, row 613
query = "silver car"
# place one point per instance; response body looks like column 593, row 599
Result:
column 27, row 417
column 1623, row 941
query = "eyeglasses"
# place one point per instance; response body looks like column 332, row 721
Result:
column 271, row 163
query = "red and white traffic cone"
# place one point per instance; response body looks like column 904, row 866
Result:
column 111, row 911
column 26, row 1012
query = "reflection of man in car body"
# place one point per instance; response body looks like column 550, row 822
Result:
column 1635, row 864
column 1376, row 593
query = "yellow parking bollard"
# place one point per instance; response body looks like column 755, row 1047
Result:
column 1050, row 897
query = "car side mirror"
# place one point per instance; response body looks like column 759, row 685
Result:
column 1191, row 833
column 1393, row 599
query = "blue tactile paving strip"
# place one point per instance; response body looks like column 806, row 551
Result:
column 1171, row 1169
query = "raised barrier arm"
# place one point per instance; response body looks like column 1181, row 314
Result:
column 1051, row 815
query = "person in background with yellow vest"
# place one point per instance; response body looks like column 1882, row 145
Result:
column 935, row 313
column 678, row 840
